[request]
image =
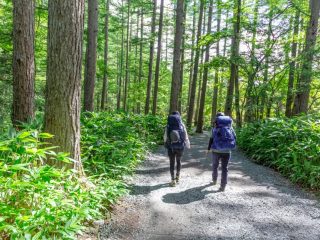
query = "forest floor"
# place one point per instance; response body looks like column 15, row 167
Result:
column 258, row 203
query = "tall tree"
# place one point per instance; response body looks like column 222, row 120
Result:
column 303, row 92
column 249, row 113
column 126, row 81
column 234, row 57
column 268, row 53
column 140, row 59
column 23, row 61
column 192, row 47
column 121, row 59
column 195, row 68
column 156, row 78
column 62, row 108
column 104, row 96
column 91, row 55
column 176, row 68
column 216, row 74
column 292, row 65
column 151, row 54
column 182, row 56
column 205, row 75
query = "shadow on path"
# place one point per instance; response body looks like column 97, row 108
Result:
column 144, row 190
column 187, row 196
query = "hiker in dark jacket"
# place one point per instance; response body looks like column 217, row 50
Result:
column 175, row 140
column 222, row 141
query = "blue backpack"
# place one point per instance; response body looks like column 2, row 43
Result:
column 175, row 133
column 224, row 138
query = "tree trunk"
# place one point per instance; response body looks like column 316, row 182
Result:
column 195, row 68
column 104, row 97
column 121, row 60
column 292, row 67
column 303, row 91
column 199, row 88
column 153, row 27
column 204, row 26
column 23, row 61
column 140, row 60
column 176, row 68
column 249, row 113
column 91, row 56
column 266, row 67
column 192, row 50
column 62, row 108
column 205, row 75
column 234, row 55
column 216, row 75
column 182, row 58
column 156, row 79
column 126, row 81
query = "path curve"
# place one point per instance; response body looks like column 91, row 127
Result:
column 258, row 203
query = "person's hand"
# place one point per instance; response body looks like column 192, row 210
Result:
column 207, row 152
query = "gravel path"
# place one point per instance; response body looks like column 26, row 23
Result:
column 258, row 203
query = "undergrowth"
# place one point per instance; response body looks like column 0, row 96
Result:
column 291, row 146
column 38, row 201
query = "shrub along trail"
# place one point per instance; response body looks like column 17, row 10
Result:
column 257, row 204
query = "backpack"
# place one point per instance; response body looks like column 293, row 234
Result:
column 224, row 138
column 175, row 133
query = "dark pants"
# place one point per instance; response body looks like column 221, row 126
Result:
column 225, row 158
column 175, row 155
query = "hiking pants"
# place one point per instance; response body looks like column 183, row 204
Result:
column 175, row 155
column 225, row 158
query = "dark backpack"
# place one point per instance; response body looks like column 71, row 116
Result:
column 175, row 133
column 224, row 138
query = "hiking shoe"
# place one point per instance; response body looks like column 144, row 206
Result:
column 222, row 188
column 177, row 179
column 214, row 182
column 173, row 183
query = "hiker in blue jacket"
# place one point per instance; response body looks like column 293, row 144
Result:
column 175, row 140
column 222, row 141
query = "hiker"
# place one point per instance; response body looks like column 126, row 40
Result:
column 175, row 140
column 222, row 141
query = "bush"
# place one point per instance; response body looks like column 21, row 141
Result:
column 38, row 201
column 291, row 146
column 114, row 143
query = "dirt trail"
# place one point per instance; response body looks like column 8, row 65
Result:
column 257, row 204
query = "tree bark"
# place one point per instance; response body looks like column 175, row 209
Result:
column 303, row 91
column 62, row 107
column 249, row 108
column 292, row 67
column 156, row 79
column 195, row 68
column 91, row 56
column 176, row 68
column 121, row 60
column 182, row 58
column 153, row 27
column 104, row 97
column 23, row 61
column 140, row 60
column 234, row 57
column 192, row 49
column 126, row 81
column 266, row 67
column 216, row 75
column 200, row 121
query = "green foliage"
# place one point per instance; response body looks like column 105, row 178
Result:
column 113, row 143
column 39, row 201
column 291, row 146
